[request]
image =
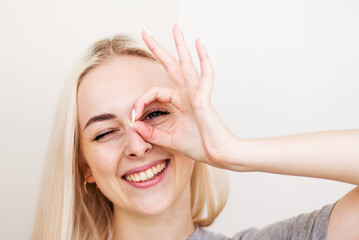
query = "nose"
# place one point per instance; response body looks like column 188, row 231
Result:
column 136, row 147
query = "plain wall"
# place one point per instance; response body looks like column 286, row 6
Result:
column 282, row 67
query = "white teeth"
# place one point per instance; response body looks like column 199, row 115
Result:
column 143, row 176
column 149, row 173
column 137, row 178
column 146, row 175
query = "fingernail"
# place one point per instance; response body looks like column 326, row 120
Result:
column 201, row 39
column 180, row 25
column 133, row 115
column 147, row 31
column 130, row 124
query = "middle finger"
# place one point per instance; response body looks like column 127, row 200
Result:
column 188, row 69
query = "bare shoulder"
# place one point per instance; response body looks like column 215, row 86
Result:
column 344, row 220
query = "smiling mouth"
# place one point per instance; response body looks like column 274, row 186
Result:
column 147, row 174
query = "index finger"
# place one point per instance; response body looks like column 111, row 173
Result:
column 170, row 63
column 156, row 94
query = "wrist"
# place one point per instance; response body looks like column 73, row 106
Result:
column 238, row 154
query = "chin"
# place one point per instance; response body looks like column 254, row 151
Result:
column 153, row 206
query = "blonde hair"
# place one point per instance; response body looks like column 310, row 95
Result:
column 64, row 211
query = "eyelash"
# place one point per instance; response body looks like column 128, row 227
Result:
column 155, row 112
column 98, row 137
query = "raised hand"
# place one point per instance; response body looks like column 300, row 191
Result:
column 198, row 133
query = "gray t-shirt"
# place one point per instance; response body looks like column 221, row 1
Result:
column 310, row 226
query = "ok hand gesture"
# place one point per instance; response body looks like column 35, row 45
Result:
column 198, row 133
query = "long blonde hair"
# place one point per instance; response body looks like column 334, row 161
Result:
column 64, row 211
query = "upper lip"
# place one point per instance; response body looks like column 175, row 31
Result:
column 144, row 167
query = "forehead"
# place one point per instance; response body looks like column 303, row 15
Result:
column 114, row 86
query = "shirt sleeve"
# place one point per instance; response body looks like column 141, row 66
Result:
column 309, row 226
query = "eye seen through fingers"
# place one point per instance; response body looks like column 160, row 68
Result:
column 154, row 113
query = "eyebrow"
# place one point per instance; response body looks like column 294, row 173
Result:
column 99, row 118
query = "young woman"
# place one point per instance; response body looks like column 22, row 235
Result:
column 137, row 142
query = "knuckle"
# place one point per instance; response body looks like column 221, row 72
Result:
column 151, row 133
column 154, row 49
column 177, row 42
column 154, row 89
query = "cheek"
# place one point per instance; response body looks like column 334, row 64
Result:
column 103, row 158
column 184, row 168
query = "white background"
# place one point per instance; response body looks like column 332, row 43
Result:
column 282, row 67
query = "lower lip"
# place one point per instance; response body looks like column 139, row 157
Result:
column 152, row 182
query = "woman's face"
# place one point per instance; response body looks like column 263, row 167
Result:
column 138, row 177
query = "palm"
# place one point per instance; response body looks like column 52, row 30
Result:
column 186, row 138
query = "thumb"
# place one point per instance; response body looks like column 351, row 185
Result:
column 151, row 134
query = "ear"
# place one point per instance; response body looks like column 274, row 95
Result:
column 86, row 170
column 88, row 175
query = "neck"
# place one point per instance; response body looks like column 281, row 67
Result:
column 174, row 223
